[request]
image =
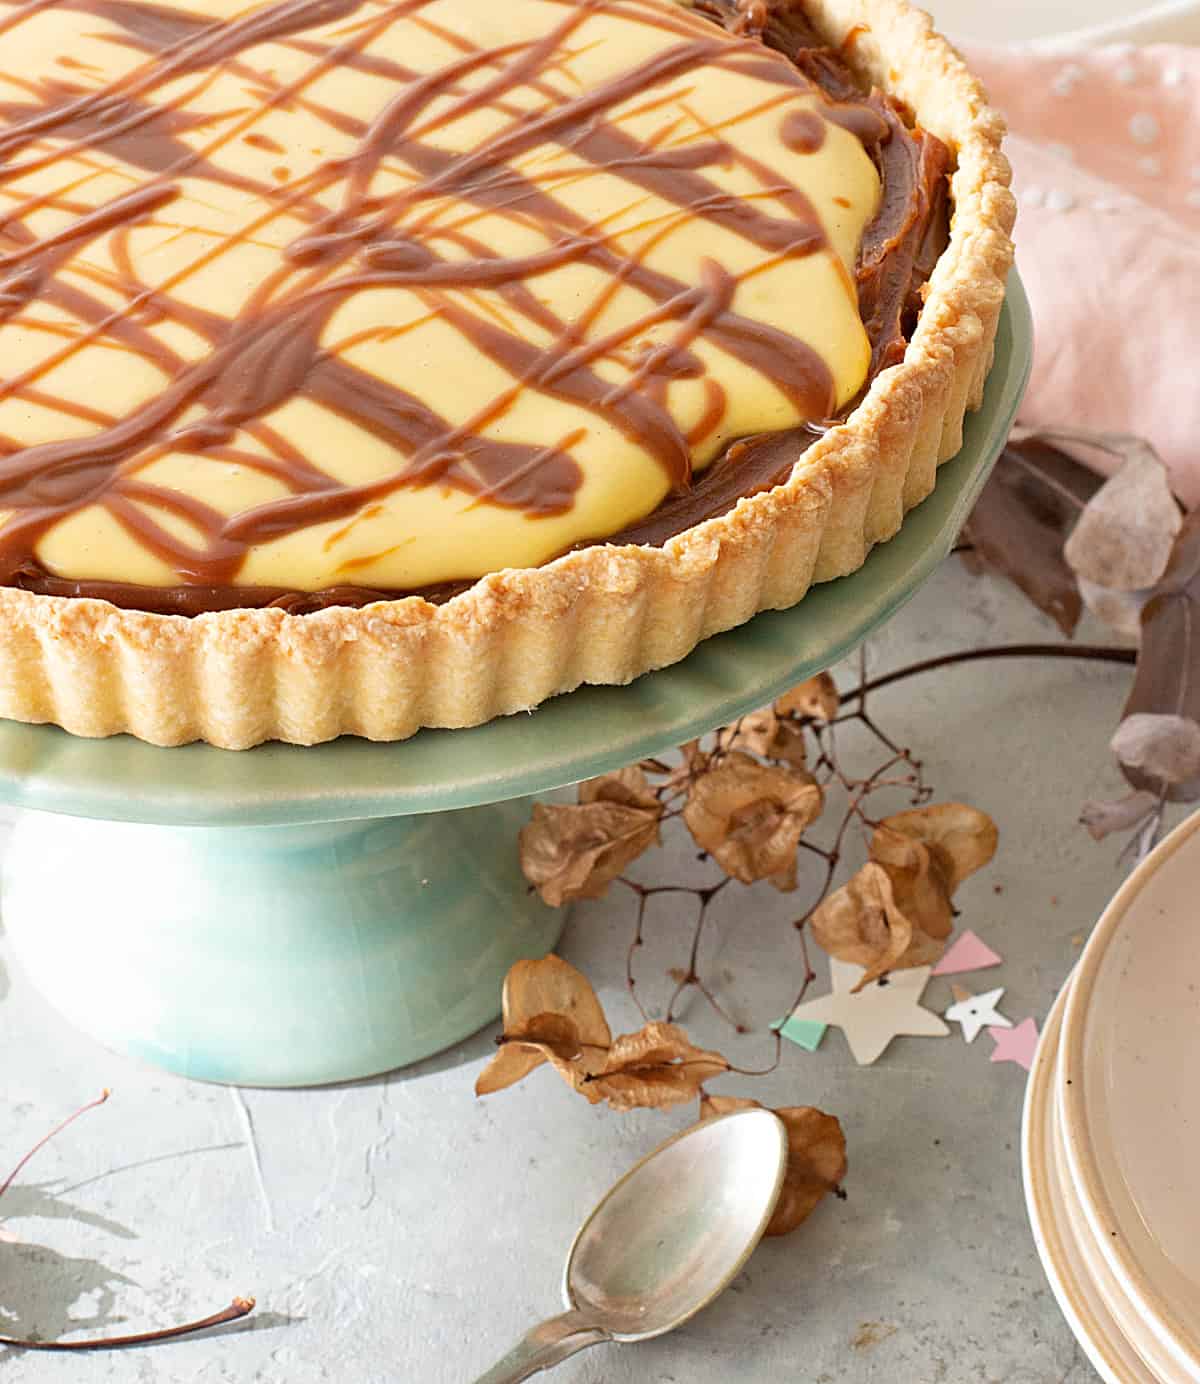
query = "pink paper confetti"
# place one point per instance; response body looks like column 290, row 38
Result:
column 1015, row 1044
column 969, row 953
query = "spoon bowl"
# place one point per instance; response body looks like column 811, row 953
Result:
column 666, row 1240
column 677, row 1228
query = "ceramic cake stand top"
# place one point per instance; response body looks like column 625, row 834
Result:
column 568, row 738
column 286, row 915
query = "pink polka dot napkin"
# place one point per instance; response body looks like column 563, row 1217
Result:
column 1105, row 147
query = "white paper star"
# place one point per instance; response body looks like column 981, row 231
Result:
column 877, row 1014
column 975, row 1012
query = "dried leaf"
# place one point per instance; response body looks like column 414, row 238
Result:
column 895, row 912
column 961, row 839
column 816, row 1157
column 551, row 1014
column 816, row 1164
column 816, row 697
column 1168, row 668
column 1029, row 505
column 852, row 923
column 1121, row 611
column 1121, row 814
column 693, row 756
column 549, row 1038
column 575, row 852
column 917, row 879
column 695, row 761
column 1164, row 748
column 551, row 985
column 764, row 734
column 657, row 1066
column 511, row 1064
column 750, row 817
column 630, row 787
column 1124, row 536
column 861, row 923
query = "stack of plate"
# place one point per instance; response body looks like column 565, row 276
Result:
column 1111, row 1139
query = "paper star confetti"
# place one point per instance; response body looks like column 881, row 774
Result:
column 803, row 1033
column 877, row 1014
column 974, row 1012
column 968, row 953
column 1015, row 1044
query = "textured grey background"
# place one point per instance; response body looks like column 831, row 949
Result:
column 400, row 1230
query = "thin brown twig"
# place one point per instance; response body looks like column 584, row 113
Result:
column 238, row 1308
column 758, row 1071
column 809, row 974
column 691, row 976
column 737, row 1027
column 638, row 940
column 46, row 1138
column 1097, row 653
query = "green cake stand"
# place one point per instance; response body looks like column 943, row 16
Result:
column 289, row 916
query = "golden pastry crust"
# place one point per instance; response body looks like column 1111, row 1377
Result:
column 604, row 614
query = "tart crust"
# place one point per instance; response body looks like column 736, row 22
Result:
column 603, row 614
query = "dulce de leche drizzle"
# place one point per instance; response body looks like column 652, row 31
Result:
column 104, row 164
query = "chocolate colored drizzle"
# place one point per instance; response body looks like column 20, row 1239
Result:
column 272, row 350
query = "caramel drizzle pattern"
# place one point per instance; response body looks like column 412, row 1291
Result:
column 272, row 350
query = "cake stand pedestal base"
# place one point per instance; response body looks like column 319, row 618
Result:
column 275, row 956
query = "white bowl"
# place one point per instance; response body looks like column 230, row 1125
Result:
column 1129, row 1089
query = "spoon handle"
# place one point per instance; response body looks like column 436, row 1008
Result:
column 545, row 1345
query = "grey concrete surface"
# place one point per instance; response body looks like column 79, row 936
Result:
column 401, row 1230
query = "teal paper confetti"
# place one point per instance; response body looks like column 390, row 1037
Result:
column 805, row 1033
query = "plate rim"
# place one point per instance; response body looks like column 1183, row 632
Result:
column 1101, row 1341
column 1175, row 1334
column 1128, row 1316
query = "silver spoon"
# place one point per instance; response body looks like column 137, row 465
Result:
column 668, row 1238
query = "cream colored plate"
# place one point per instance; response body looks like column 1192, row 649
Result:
column 1128, row 1315
column 1130, row 1097
column 1063, row 1256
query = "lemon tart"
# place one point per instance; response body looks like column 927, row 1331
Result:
column 374, row 364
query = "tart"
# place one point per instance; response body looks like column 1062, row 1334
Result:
column 367, row 366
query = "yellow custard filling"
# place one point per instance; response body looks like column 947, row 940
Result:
column 577, row 141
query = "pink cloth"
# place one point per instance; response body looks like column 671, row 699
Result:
column 1105, row 147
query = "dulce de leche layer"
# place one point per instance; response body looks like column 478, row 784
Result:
column 318, row 300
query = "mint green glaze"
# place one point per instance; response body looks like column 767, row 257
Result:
column 275, row 956
column 294, row 916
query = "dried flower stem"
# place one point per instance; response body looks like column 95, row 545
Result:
column 692, row 977
column 828, row 770
column 1098, row 653
column 46, row 1138
column 238, row 1308
column 1146, row 834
